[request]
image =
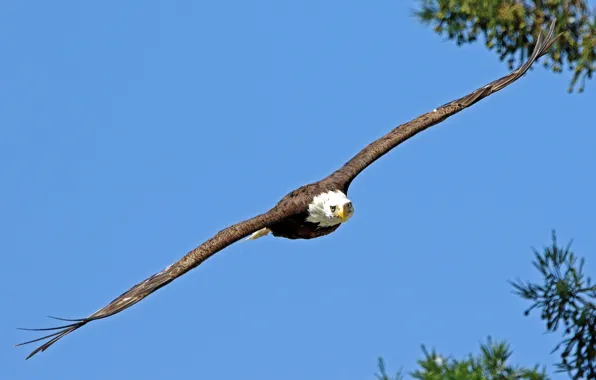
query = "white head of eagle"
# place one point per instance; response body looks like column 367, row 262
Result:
column 329, row 209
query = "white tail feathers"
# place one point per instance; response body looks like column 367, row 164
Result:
column 260, row 233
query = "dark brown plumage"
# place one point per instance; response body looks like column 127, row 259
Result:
column 296, row 226
column 287, row 217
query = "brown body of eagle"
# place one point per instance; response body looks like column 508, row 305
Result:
column 295, row 226
column 287, row 217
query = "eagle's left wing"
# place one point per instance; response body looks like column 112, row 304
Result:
column 381, row 146
column 191, row 260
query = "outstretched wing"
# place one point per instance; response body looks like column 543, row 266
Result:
column 191, row 260
column 378, row 148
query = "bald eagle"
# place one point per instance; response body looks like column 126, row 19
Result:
column 311, row 211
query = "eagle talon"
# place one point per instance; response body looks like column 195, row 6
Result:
column 260, row 233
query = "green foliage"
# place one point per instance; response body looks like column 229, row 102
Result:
column 382, row 375
column 510, row 25
column 565, row 299
column 490, row 364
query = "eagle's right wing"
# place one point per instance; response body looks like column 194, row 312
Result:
column 191, row 260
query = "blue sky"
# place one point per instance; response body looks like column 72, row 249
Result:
column 133, row 131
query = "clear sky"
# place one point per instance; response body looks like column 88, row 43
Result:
column 133, row 131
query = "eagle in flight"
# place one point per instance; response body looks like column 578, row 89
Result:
column 313, row 210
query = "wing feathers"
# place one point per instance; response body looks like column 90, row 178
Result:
column 378, row 148
column 141, row 290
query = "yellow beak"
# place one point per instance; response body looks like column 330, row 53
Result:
column 341, row 214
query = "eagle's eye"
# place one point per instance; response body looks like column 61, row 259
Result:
column 333, row 208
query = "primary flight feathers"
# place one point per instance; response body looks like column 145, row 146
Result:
column 310, row 211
